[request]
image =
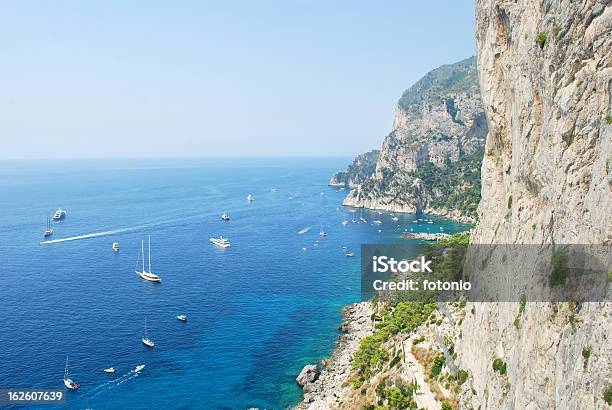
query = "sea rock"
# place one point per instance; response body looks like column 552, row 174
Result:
column 308, row 374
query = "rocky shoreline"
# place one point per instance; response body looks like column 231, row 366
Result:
column 329, row 388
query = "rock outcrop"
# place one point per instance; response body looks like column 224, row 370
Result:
column 361, row 169
column 545, row 72
column 308, row 375
column 430, row 162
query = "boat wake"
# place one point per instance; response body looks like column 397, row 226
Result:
column 109, row 385
column 303, row 231
column 95, row 235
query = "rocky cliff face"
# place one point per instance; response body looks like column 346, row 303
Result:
column 545, row 75
column 439, row 129
column 361, row 169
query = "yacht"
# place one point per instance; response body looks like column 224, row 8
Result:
column 220, row 241
column 145, row 339
column 150, row 276
column 182, row 318
column 250, row 198
column 68, row 381
column 115, row 246
column 225, row 217
column 139, row 368
column 49, row 230
column 59, row 214
column 377, row 222
column 109, row 370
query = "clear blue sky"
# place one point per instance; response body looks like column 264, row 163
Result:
column 215, row 78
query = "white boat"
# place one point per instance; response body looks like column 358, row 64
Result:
column 250, row 198
column 68, row 381
column 147, row 275
column 395, row 218
column 322, row 232
column 139, row 368
column 220, row 241
column 182, row 318
column 109, row 370
column 115, row 246
column 59, row 214
column 345, row 222
column 225, row 217
column 430, row 222
column 363, row 220
column 377, row 222
column 49, row 230
column 145, row 339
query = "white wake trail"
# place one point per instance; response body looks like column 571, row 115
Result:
column 94, row 235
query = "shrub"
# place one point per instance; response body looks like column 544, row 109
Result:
column 510, row 202
column 541, row 39
column 586, row 353
column 517, row 323
column 462, row 376
column 522, row 304
column 608, row 395
column 446, row 406
column 499, row 366
column 609, row 119
column 418, row 340
column 559, row 267
column 556, row 30
column 395, row 361
column 437, row 364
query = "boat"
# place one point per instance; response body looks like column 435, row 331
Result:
column 49, row 230
column 59, row 214
column 70, row 385
column 139, row 368
column 150, row 276
column 115, row 246
column 343, row 247
column 345, row 222
column 145, row 339
column 182, row 318
column 220, row 241
column 430, row 222
column 109, row 370
column 350, row 254
column 250, row 198
column 377, row 222
column 395, row 218
column 322, row 232
column 225, row 217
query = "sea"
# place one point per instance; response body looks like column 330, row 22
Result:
column 257, row 311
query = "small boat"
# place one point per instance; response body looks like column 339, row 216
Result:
column 221, row 242
column 70, row 385
column 395, row 218
column 430, row 222
column 345, row 222
column 225, row 217
column 343, row 247
column 49, row 230
column 250, row 198
column 59, row 214
column 274, row 189
column 150, row 276
column 350, row 254
column 145, row 339
column 322, row 232
column 109, row 370
column 362, row 220
column 182, row 318
column 377, row 222
column 139, row 368
column 115, row 246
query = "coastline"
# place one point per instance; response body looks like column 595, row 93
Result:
column 330, row 388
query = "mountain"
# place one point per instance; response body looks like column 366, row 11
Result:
column 544, row 67
column 361, row 169
column 430, row 162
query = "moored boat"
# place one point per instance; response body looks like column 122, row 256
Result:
column 147, row 275
column 221, row 242
column 145, row 338
column 68, row 382
column 59, row 214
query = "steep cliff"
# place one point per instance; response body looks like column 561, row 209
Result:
column 361, row 169
column 430, row 162
column 545, row 75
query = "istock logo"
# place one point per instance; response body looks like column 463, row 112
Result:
column 384, row 264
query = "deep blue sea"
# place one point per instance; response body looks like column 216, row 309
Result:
column 258, row 311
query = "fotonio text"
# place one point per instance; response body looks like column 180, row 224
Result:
column 383, row 264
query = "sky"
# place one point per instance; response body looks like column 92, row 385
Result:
column 113, row 79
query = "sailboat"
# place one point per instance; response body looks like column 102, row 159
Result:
column 150, row 276
column 49, row 230
column 225, row 217
column 322, row 232
column 67, row 381
column 145, row 339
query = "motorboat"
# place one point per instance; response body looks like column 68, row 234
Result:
column 395, row 218
column 139, row 368
column 70, row 385
column 221, row 242
column 49, row 230
column 145, row 338
column 59, row 214
column 147, row 275
column 350, row 254
column 182, row 318
column 225, row 217
column 115, row 246
column 109, row 370
column 345, row 222
column 378, row 222
column 250, row 198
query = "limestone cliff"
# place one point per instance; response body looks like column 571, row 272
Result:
column 361, row 169
column 545, row 75
column 430, row 162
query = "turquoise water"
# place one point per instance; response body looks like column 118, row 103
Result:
column 258, row 311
